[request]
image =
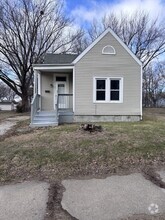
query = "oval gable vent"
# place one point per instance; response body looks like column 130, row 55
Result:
column 108, row 50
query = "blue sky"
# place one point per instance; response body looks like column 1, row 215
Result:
column 84, row 11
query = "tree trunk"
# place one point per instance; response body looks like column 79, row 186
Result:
column 25, row 102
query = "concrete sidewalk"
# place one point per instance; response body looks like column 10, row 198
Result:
column 8, row 123
column 116, row 197
column 23, row 201
column 112, row 198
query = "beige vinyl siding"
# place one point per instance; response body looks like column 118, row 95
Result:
column 47, row 99
column 95, row 64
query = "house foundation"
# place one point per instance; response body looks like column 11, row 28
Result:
column 107, row 118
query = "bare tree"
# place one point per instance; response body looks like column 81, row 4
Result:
column 2, row 91
column 81, row 43
column 153, row 84
column 144, row 36
column 28, row 29
column 6, row 93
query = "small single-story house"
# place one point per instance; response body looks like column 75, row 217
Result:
column 7, row 106
column 103, row 83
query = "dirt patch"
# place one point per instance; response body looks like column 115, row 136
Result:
column 54, row 209
column 18, row 118
column 153, row 176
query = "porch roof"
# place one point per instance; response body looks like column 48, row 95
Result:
column 54, row 67
column 56, row 62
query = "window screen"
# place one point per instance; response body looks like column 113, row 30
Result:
column 100, row 89
column 114, row 90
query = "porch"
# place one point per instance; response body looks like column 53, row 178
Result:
column 52, row 102
column 62, row 114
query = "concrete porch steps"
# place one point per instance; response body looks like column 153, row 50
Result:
column 46, row 113
column 45, row 118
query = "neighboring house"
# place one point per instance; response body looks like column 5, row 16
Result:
column 7, row 106
column 103, row 83
column 161, row 103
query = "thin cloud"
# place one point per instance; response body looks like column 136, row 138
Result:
column 98, row 9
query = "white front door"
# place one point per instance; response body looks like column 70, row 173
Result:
column 61, row 89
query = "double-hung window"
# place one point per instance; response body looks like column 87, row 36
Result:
column 101, row 89
column 108, row 89
column 114, row 89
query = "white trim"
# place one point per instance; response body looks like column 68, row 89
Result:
column 108, row 30
column 141, row 93
column 107, row 90
column 109, row 53
column 74, row 81
column 39, row 83
column 94, row 89
column 53, row 67
column 122, row 89
column 35, row 83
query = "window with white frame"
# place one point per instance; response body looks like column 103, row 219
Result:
column 101, row 89
column 108, row 89
column 108, row 50
column 114, row 89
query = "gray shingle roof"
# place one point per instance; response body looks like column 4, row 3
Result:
column 51, row 58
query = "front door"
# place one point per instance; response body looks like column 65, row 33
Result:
column 61, row 90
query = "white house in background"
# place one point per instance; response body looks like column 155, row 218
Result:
column 7, row 106
column 103, row 83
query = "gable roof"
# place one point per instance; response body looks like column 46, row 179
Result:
column 108, row 30
column 51, row 58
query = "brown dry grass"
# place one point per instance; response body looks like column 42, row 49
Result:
column 66, row 151
column 10, row 114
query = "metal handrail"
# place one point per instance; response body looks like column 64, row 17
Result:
column 34, row 106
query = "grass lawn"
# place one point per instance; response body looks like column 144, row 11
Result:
column 7, row 114
column 66, row 151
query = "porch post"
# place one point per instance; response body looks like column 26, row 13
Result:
column 74, row 89
column 39, row 83
column 37, row 87
column 35, row 82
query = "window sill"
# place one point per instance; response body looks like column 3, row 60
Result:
column 106, row 102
